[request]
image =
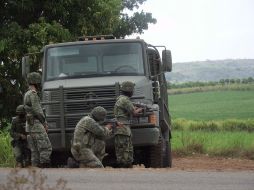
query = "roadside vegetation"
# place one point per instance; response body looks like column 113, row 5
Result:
column 217, row 143
column 6, row 154
column 218, row 123
column 226, row 138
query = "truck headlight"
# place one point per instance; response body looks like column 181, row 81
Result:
column 152, row 119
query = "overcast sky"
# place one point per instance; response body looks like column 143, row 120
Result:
column 197, row 30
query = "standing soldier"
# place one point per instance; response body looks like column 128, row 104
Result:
column 124, row 110
column 88, row 146
column 36, row 125
column 19, row 143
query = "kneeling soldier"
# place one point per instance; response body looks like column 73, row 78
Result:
column 88, row 146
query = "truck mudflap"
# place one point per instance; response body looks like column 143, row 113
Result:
column 145, row 136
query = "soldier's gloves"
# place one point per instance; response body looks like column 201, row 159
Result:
column 137, row 111
column 119, row 124
column 109, row 126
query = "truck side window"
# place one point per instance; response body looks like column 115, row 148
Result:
column 154, row 61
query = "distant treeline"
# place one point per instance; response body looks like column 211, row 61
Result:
column 210, row 83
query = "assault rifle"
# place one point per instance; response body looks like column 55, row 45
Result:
column 113, row 122
column 146, row 109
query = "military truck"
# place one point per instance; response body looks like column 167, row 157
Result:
column 79, row 75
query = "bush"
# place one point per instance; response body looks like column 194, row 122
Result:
column 6, row 154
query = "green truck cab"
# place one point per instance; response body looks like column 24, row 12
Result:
column 77, row 76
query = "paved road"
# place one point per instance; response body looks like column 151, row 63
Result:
column 147, row 179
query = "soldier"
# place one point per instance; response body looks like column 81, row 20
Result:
column 88, row 146
column 36, row 125
column 124, row 110
column 19, row 143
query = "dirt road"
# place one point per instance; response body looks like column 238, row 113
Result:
column 205, row 163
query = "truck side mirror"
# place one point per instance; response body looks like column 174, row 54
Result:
column 167, row 60
column 25, row 66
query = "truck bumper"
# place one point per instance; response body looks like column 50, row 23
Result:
column 141, row 136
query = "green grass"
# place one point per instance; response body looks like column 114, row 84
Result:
column 6, row 154
column 220, row 143
column 216, row 105
column 218, row 125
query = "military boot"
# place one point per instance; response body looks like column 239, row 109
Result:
column 72, row 163
column 124, row 165
column 45, row 165
column 27, row 163
column 19, row 165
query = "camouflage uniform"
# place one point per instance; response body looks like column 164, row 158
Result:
column 123, row 111
column 88, row 146
column 20, row 147
column 35, row 126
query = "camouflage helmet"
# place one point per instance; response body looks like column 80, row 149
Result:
column 127, row 86
column 99, row 113
column 20, row 109
column 34, row 78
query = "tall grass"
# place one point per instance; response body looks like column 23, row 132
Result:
column 220, row 143
column 6, row 154
column 218, row 125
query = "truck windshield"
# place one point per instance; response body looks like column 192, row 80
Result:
column 91, row 60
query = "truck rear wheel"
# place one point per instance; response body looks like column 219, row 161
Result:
column 154, row 157
column 167, row 157
column 159, row 156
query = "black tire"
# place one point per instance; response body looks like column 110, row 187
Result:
column 59, row 159
column 167, row 157
column 154, row 157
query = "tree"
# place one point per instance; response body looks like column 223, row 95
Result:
column 222, row 81
column 250, row 79
column 28, row 25
column 232, row 81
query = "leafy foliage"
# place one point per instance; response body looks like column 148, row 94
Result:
column 28, row 25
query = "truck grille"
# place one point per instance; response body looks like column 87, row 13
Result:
column 89, row 98
column 80, row 101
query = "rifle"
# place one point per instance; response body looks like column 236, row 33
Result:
column 147, row 109
column 113, row 122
